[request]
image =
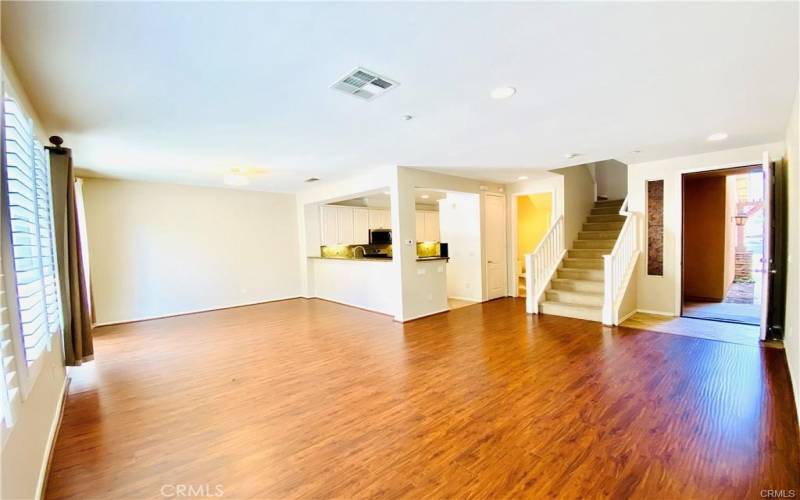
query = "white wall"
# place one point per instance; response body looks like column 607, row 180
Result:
column 579, row 198
column 161, row 249
column 661, row 294
column 366, row 284
column 460, row 228
column 612, row 179
column 26, row 445
column 417, row 300
column 792, row 337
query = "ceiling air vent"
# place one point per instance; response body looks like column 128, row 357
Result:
column 364, row 84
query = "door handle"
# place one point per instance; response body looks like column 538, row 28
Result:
column 491, row 262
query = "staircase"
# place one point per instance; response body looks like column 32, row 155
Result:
column 577, row 288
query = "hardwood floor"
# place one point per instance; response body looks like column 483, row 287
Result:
column 307, row 398
column 701, row 328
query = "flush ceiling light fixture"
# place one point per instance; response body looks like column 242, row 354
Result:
column 522, row 177
column 503, row 92
column 235, row 177
column 719, row 136
column 424, row 196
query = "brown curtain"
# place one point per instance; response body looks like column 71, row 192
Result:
column 73, row 275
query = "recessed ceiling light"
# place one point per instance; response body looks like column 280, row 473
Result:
column 571, row 155
column 424, row 196
column 522, row 177
column 719, row 136
column 235, row 177
column 503, row 92
column 386, row 192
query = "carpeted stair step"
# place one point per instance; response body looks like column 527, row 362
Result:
column 606, row 244
column 577, row 285
column 599, row 235
column 580, row 274
column 579, row 263
column 606, row 218
column 570, row 297
column 602, row 226
column 588, row 253
column 589, row 313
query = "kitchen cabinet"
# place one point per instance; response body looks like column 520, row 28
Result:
column 380, row 218
column 329, row 225
column 344, row 220
column 420, row 221
column 431, row 226
column 427, row 225
column 360, row 226
column 341, row 225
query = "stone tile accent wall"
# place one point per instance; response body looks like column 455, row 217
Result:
column 655, row 228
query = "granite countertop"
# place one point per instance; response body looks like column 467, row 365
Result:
column 436, row 257
column 365, row 259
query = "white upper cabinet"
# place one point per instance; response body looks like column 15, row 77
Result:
column 431, row 226
column 420, row 219
column 329, row 225
column 344, row 218
column 341, row 225
column 360, row 226
column 427, row 225
column 380, row 218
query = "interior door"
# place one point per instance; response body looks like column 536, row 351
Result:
column 767, row 264
column 495, row 231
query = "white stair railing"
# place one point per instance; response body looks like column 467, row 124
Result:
column 542, row 263
column 619, row 265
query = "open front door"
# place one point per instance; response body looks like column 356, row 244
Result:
column 767, row 264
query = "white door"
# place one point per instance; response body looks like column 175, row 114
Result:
column 495, row 238
column 431, row 226
column 767, row 265
column 360, row 226
column 329, row 234
column 344, row 219
column 420, row 218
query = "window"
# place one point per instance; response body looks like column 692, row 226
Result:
column 33, row 312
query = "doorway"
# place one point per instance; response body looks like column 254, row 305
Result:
column 534, row 213
column 724, row 235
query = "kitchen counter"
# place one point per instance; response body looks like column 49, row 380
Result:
column 365, row 259
column 425, row 259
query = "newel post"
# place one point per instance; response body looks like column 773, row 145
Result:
column 608, row 290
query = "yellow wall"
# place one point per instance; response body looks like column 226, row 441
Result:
column 533, row 220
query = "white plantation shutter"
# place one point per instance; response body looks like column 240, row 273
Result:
column 31, row 283
column 9, row 385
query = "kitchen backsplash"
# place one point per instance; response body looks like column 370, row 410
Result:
column 428, row 249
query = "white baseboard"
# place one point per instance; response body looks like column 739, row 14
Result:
column 356, row 306
column 622, row 319
column 466, row 299
column 55, row 426
column 404, row 320
column 657, row 313
column 194, row 311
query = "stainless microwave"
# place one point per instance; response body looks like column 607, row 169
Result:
column 380, row 236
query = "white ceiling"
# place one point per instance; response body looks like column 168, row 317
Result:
column 181, row 92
